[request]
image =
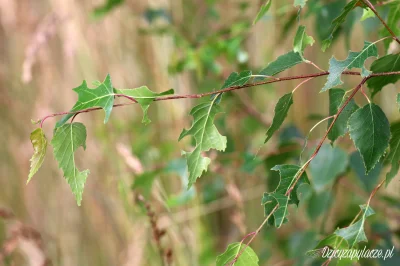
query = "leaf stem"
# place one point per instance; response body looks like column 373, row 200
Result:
column 371, row 6
column 200, row 95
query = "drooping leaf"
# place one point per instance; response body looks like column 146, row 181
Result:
column 387, row 63
column 237, row 79
column 282, row 63
column 394, row 154
column 263, row 10
column 39, row 143
column 357, row 165
column 300, row 3
column 370, row 131
column 337, row 22
column 281, row 111
column 206, row 136
column 332, row 242
column 185, row 195
column 354, row 233
column 288, row 175
column 354, row 60
column 247, row 258
column 109, row 5
column 102, row 96
column 301, row 40
column 144, row 97
column 393, row 20
column 336, row 100
column 67, row 139
column 329, row 163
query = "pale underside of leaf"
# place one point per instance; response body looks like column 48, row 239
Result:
column 354, row 233
column 354, row 60
column 144, row 97
column 39, row 143
column 207, row 137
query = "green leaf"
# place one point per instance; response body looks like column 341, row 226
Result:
column 329, row 163
column 336, row 100
column 398, row 100
column 300, row 3
column 39, row 143
column 144, row 182
column 301, row 40
column 319, row 203
column 337, row 22
column 332, row 242
column 288, row 175
column 237, row 79
column 206, row 135
column 394, row 154
column 263, row 10
column 248, row 257
column 370, row 131
column 144, row 97
column 281, row 111
column 393, row 19
column 387, row 63
column 367, row 13
column 369, row 181
column 354, row 60
column 282, row 63
column 67, row 139
column 106, row 7
column 354, row 233
column 102, row 96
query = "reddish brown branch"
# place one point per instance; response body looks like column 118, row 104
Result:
column 371, row 6
column 200, row 95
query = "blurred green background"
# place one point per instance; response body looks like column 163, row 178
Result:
column 47, row 47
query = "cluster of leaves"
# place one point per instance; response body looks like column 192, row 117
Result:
column 367, row 126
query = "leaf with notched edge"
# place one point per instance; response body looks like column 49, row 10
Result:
column 102, row 96
column 288, row 175
column 354, row 233
column 144, row 97
column 206, row 135
column 301, row 40
column 354, row 60
column 39, row 143
column 370, row 131
column 67, row 139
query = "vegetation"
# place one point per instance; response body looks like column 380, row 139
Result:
column 333, row 178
